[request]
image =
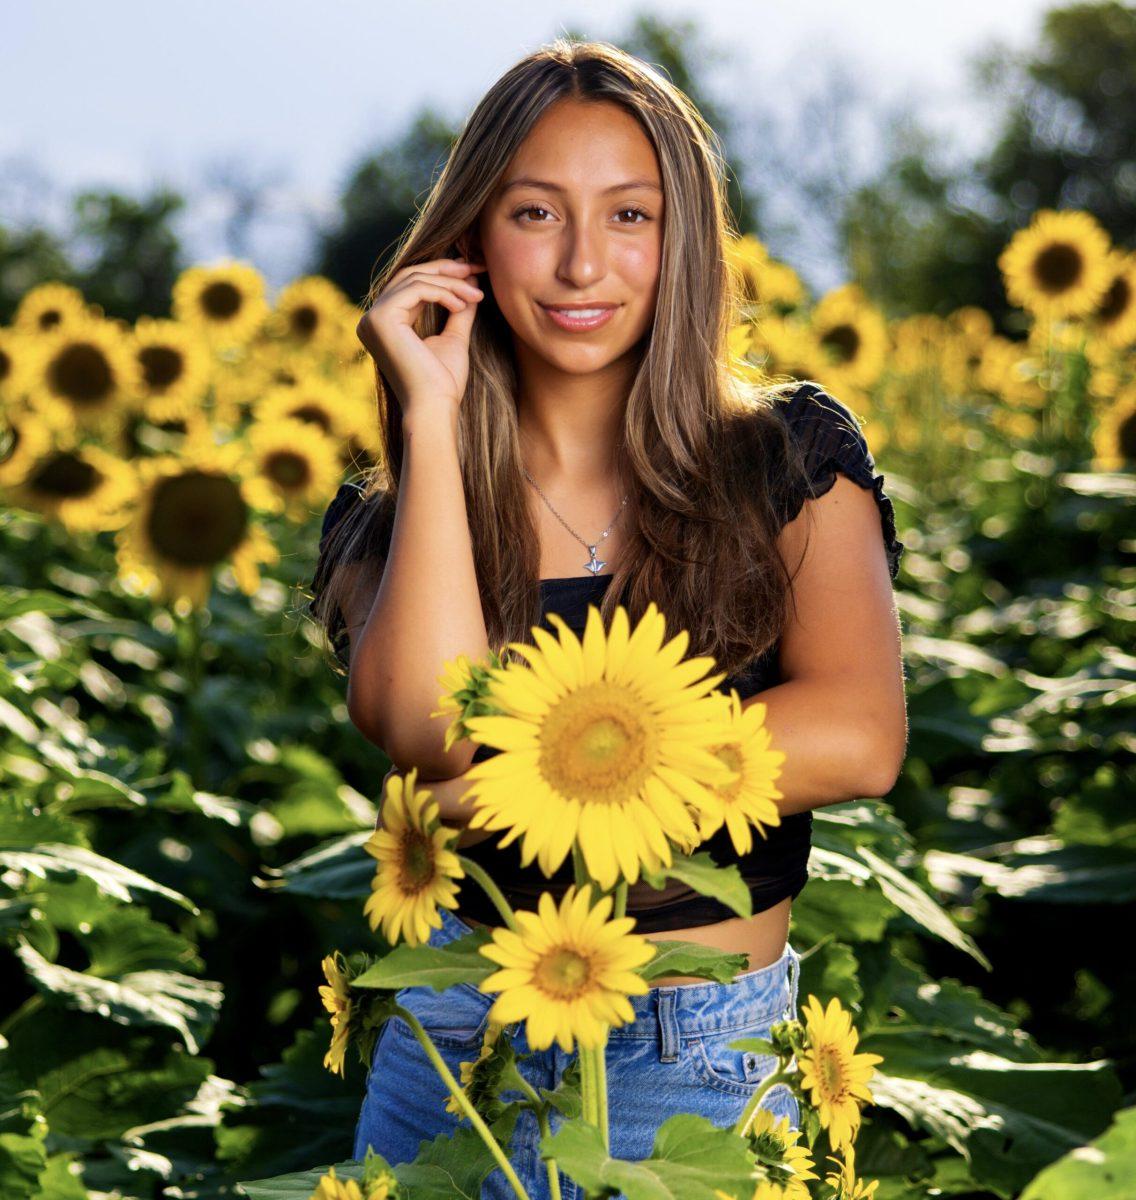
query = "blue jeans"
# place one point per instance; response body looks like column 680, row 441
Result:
column 672, row 1058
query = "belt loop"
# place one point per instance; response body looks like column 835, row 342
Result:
column 668, row 1025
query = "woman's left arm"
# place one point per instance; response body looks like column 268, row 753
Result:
column 840, row 716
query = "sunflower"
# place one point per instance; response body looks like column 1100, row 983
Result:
column 751, row 800
column 24, row 440
column 176, row 368
column 312, row 399
column 87, row 366
column 853, row 338
column 311, row 312
column 568, row 971
column 223, row 302
column 50, row 306
column 469, row 1070
column 787, row 1165
column 380, row 1187
column 85, row 489
column 604, row 743
column 193, row 516
column 466, row 687
column 1114, row 437
column 336, row 997
column 417, row 868
column 832, row 1070
column 1058, row 266
column 295, row 466
column 843, row 1181
column 1115, row 315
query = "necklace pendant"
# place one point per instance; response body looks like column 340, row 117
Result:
column 596, row 565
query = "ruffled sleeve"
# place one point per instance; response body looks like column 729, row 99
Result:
column 831, row 441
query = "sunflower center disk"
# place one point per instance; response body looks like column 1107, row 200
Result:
column 416, row 865
column 563, row 972
column 730, row 756
column 596, row 747
column 831, row 1073
column 1058, row 267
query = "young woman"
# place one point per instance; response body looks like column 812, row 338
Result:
column 539, row 459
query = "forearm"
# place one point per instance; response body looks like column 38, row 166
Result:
column 840, row 743
column 426, row 612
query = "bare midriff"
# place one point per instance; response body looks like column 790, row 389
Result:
column 761, row 938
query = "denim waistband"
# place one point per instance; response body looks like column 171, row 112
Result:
column 683, row 1009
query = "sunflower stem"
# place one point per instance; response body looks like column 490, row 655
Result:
column 480, row 876
column 541, row 1111
column 620, row 899
column 190, row 647
column 750, row 1110
column 463, row 1100
column 600, row 1053
column 578, row 867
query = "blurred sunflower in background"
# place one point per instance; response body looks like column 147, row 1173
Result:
column 294, row 466
column 193, row 517
column 224, row 303
column 1058, row 266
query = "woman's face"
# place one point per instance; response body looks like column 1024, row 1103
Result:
column 577, row 216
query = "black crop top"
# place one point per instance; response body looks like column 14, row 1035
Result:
column 777, row 865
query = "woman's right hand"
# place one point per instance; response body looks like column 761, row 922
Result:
column 431, row 371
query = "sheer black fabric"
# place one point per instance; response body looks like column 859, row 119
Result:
column 777, row 866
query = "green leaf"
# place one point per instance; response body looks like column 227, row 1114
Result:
column 1102, row 1170
column 1009, row 1119
column 911, row 899
column 851, row 911
column 111, row 878
column 456, row 1166
column 831, row 969
column 691, row 1158
column 299, row 1185
column 170, row 998
column 700, row 872
column 693, row 958
column 336, row 870
column 898, row 994
column 438, row 967
column 1041, row 868
column 568, row 1096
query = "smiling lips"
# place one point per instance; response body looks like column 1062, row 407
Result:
column 579, row 317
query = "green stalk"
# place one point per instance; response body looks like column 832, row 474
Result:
column 463, row 1100
column 479, row 875
column 540, row 1109
column 750, row 1110
column 620, row 909
column 600, row 1054
column 581, row 871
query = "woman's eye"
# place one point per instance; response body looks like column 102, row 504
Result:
column 537, row 208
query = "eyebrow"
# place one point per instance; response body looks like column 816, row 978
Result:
column 627, row 185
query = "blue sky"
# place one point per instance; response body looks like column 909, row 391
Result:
column 128, row 94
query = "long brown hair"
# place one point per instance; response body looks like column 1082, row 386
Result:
column 711, row 464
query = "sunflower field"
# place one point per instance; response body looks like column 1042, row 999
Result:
column 199, row 934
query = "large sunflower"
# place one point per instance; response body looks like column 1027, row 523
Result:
column 787, row 1165
column 568, row 972
column 1058, row 266
column 832, row 1071
column 751, row 800
column 336, row 997
column 417, row 868
column 605, row 743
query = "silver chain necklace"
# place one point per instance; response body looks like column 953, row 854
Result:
column 595, row 565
